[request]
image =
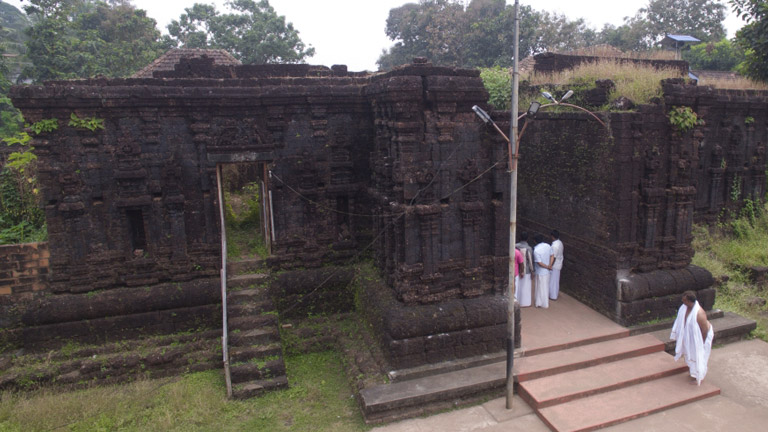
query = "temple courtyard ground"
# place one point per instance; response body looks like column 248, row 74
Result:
column 739, row 369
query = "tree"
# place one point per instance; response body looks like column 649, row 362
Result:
column 13, row 22
column 256, row 35
column 629, row 36
column 480, row 35
column 85, row 38
column 702, row 19
column 557, row 33
column 722, row 56
column 753, row 37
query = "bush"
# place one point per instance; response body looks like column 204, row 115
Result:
column 498, row 82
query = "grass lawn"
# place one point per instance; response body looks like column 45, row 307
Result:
column 319, row 399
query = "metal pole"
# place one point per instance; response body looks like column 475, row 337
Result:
column 223, row 276
column 512, row 213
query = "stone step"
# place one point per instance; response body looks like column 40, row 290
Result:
column 247, row 354
column 257, row 336
column 384, row 401
column 246, row 280
column 618, row 406
column 532, row 367
column 556, row 389
column 249, row 308
column 251, row 322
column 728, row 328
column 252, row 265
column 255, row 371
column 667, row 324
column 246, row 296
column 256, row 388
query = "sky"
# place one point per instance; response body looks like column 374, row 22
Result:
column 351, row 32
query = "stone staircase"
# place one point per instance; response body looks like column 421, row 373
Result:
column 255, row 352
column 585, row 385
column 602, row 384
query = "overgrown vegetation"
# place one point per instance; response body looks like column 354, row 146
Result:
column 21, row 218
column 683, row 119
column 243, row 219
column 319, row 399
column 498, row 82
column 636, row 82
column 734, row 83
column 728, row 251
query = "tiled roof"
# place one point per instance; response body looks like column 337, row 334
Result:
column 170, row 59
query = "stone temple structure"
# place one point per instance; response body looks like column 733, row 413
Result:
column 394, row 165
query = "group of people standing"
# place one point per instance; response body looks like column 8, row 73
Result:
column 537, row 270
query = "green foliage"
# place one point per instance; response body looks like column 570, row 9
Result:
column 498, row 82
column 12, row 25
column 85, row 38
column 318, row 399
column 44, row 126
column 683, row 119
column 478, row 35
column 10, row 118
column 243, row 222
column 22, row 220
column 639, row 83
column 702, row 19
column 256, row 35
column 722, row 56
column 90, row 123
column 753, row 37
column 727, row 252
column 736, row 188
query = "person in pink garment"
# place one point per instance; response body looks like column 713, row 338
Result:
column 519, row 260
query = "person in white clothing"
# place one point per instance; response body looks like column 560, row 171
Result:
column 557, row 264
column 693, row 334
column 542, row 255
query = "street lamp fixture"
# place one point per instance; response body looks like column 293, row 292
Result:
column 533, row 109
column 482, row 114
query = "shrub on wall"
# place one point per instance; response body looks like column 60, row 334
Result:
column 498, row 82
column 21, row 217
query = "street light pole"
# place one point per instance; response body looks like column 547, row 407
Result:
column 512, row 212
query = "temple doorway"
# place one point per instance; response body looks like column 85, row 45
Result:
column 247, row 210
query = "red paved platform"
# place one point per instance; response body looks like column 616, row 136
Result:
column 606, row 409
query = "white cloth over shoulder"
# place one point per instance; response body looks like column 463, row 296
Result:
column 687, row 334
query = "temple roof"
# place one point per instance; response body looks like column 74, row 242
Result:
column 170, row 59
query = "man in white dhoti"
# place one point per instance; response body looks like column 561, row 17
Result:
column 693, row 334
column 523, row 288
column 557, row 264
column 542, row 254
